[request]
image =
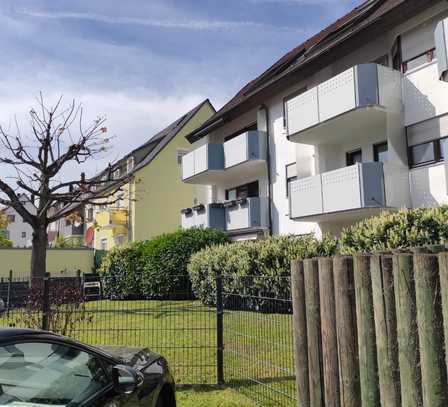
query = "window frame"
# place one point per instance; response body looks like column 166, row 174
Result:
column 438, row 154
column 375, row 150
column 351, row 154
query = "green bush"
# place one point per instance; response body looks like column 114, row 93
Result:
column 166, row 258
column 252, row 268
column 396, row 230
column 155, row 268
column 4, row 242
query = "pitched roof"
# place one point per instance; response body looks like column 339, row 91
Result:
column 345, row 27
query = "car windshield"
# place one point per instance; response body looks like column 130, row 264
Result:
column 47, row 374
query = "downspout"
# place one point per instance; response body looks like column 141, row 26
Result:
column 264, row 125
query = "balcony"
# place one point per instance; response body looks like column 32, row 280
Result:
column 246, row 213
column 441, row 39
column 333, row 195
column 202, row 165
column 213, row 164
column 112, row 218
column 204, row 216
column 339, row 108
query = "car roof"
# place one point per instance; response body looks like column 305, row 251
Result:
column 10, row 332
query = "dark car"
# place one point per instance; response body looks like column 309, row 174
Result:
column 40, row 368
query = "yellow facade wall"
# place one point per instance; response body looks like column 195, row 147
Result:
column 67, row 261
column 159, row 191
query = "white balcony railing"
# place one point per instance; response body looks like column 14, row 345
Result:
column 248, row 146
column 246, row 213
column 204, row 216
column 355, row 187
column 209, row 157
column 365, row 85
column 441, row 40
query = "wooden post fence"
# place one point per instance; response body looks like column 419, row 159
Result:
column 372, row 330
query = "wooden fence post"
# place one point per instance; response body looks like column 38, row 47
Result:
column 443, row 272
column 313, row 332
column 328, row 332
column 346, row 331
column 300, row 333
column 408, row 354
column 429, row 319
column 386, row 329
column 368, row 370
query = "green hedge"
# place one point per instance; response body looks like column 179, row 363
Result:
column 156, row 268
column 396, row 230
column 252, row 268
column 4, row 242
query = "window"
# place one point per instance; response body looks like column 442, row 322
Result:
column 23, row 235
column 429, row 152
column 380, row 152
column 103, row 244
column 130, row 164
column 116, row 174
column 354, row 157
column 68, row 222
column 11, row 218
column 291, row 175
column 180, row 152
column 39, row 373
column 90, row 214
column 243, row 191
column 120, row 240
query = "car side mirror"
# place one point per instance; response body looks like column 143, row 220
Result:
column 126, row 379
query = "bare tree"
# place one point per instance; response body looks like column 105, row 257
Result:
column 36, row 163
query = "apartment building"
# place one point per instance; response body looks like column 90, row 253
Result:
column 19, row 232
column 349, row 123
column 151, row 192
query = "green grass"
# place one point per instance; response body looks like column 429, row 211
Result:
column 258, row 347
column 206, row 397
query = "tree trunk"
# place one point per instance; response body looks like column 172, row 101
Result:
column 39, row 252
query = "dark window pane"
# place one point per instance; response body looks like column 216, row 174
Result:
column 354, row 157
column 422, row 153
column 380, row 152
column 443, row 147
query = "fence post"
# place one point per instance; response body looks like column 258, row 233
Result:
column 219, row 330
column 408, row 353
column 368, row 368
column 429, row 318
column 8, row 298
column 346, row 331
column 328, row 332
column 46, row 303
column 385, row 329
column 311, row 278
column 443, row 272
column 300, row 332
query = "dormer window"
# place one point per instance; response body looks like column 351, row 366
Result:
column 116, row 174
column 130, row 164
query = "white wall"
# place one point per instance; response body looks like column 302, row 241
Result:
column 17, row 228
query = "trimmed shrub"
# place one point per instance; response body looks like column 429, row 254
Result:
column 252, row 268
column 4, row 242
column 155, row 268
column 396, row 230
column 166, row 258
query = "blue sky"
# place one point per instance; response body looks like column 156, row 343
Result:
column 143, row 63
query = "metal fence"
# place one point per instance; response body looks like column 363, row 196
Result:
column 245, row 341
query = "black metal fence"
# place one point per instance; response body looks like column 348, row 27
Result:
column 245, row 342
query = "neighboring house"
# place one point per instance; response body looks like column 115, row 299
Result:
column 152, row 195
column 71, row 228
column 19, row 232
column 349, row 123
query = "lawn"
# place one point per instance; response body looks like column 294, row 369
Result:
column 258, row 356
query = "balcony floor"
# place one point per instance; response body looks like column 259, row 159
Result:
column 343, row 128
column 351, row 215
column 249, row 169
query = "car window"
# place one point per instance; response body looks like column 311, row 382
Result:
column 47, row 374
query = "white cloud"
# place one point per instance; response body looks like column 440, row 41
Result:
column 200, row 25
